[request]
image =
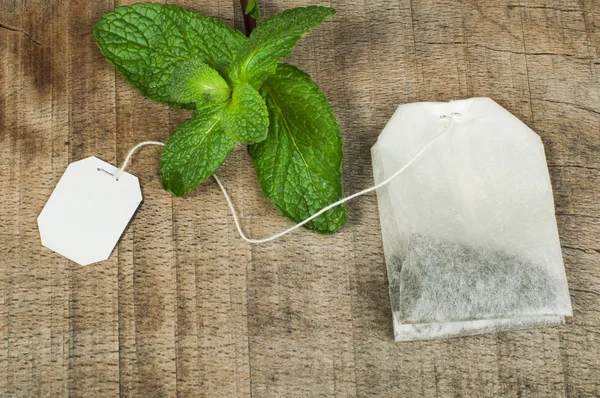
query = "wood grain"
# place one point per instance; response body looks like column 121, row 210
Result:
column 185, row 308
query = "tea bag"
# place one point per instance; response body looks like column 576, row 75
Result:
column 469, row 231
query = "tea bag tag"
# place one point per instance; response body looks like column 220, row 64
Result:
column 88, row 211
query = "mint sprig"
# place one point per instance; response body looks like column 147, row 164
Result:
column 240, row 94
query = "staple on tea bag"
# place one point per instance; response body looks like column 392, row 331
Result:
column 469, row 232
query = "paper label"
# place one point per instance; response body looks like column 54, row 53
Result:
column 88, row 211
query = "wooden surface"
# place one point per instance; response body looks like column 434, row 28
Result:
column 184, row 307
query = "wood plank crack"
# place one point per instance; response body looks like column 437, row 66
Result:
column 14, row 29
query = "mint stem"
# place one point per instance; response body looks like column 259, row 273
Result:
column 249, row 22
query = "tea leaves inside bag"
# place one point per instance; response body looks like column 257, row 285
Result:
column 440, row 280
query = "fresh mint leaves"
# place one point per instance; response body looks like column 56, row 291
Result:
column 147, row 42
column 240, row 94
column 299, row 164
column 246, row 118
column 272, row 40
column 194, row 82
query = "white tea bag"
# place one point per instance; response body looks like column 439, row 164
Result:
column 469, row 230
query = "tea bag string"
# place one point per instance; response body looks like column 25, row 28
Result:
column 315, row 215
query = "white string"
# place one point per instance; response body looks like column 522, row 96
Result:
column 128, row 157
column 317, row 214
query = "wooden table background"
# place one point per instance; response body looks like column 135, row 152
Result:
column 185, row 307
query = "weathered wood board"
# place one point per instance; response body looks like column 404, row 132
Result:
column 185, row 307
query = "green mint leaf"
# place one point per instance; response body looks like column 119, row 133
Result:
column 246, row 118
column 196, row 82
column 147, row 42
column 196, row 149
column 272, row 40
column 299, row 164
column 200, row 145
column 252, row 9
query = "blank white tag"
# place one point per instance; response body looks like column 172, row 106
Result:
column 88, row 211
